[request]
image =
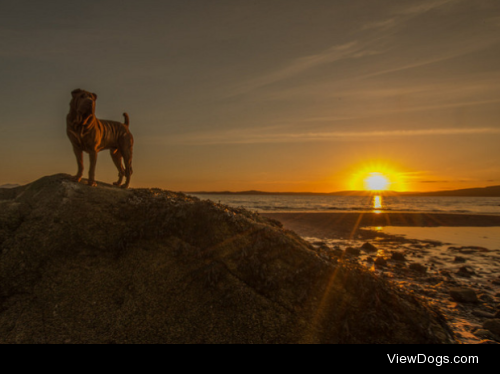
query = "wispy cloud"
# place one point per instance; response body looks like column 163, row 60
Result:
column 476, row 45
column 252, row 137
column 420, row 7
column 432, row 182
column 404, row 13
column 350, row 50
column 381, row 25
column 409, row 109
column 380, row 37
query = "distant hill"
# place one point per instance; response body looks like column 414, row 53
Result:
column 493, row 191
column 264, row 193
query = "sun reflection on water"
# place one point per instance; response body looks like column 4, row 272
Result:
column 377, row 204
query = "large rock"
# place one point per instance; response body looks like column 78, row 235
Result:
column 104, row 265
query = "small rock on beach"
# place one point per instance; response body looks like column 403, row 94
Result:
column 418, row 268
column 493, row 326
column 466, row 272
column 398, row 256
column 368, row 247
column 464, row 295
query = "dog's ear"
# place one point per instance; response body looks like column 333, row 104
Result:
column 95, row 96
column 76, row 92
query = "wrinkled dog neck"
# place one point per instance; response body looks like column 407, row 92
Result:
column 78, row 119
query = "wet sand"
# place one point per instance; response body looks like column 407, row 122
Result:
column 348, row 225
column 429, row 268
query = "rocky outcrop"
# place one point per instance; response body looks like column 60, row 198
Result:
column 105, row 265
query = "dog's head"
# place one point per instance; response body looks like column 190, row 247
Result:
column 83, row 103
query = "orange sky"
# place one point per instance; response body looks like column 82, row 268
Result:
column 282, row 95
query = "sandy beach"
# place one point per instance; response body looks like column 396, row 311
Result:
column 348, row 225
column 433, row 269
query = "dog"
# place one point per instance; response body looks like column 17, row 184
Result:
column 91, row 135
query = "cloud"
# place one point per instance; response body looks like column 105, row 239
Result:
column 257, row 137
column 405, row 13
column 350, row 50
column 381, row 25
column 431, row 182
column 418, row 108
column 461, row 50
column 386, row 37
column 420, row 7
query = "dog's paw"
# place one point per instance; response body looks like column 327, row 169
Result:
column 76, row 178
column 92, row 184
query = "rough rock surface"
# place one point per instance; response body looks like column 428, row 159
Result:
column 104, row 265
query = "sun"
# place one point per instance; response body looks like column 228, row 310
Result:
column 377, row 182
column 377, row 176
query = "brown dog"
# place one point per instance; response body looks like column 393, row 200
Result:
column 88, row 134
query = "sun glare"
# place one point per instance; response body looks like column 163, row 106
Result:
column 377, row 182
column 377, row 176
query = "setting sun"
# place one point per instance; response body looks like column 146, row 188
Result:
column 377, row 182
column 378, row 176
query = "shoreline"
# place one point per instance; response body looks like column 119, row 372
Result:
column 430, row 269
column 407, row 218
column 381, row 212
column 349, row 225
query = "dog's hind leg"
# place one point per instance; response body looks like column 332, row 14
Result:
column 127, row 158
column 117, row 159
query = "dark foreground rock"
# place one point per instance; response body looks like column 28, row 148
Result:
column 104, row 265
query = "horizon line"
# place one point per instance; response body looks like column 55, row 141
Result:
column 337, row 192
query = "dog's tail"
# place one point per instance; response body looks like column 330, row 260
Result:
column 127, row 119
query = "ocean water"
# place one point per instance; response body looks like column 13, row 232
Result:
column 488, row 237
column 284, row 203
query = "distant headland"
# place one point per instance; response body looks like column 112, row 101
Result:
column 493, row 191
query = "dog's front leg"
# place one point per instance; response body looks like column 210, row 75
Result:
column 93, row 163
column 79, row 161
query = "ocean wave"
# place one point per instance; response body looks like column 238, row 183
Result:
column 274, row 208
column 361, row 204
